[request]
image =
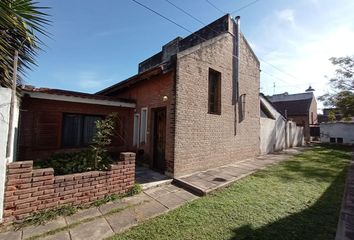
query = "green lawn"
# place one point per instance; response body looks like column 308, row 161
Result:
column 297, row 199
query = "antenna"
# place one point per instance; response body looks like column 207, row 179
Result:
column 273, row 88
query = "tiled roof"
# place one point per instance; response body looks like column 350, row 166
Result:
column 294, row 108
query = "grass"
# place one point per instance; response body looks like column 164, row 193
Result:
column 296, row 199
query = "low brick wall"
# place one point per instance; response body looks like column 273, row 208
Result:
column 28, row 190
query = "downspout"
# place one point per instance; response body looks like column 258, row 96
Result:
column 236, row 68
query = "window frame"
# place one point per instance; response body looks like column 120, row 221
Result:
column 215, row 100
column 82, row 117
column 136, row 130
column 143, row 135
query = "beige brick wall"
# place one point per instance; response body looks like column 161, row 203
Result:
column 204, row 140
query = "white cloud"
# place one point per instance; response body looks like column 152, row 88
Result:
column 303, row 50
column 286, row 15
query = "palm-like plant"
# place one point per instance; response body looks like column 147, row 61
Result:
column 21, row 21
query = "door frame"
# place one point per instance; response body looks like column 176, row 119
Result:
column 152, row 137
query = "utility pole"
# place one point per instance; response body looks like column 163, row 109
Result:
column 10, row 135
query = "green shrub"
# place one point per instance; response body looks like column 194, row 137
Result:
column 94, row 158
column 136, row 189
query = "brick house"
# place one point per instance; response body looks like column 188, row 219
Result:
column 53, row 120
column 300, row 108
column 194, row 110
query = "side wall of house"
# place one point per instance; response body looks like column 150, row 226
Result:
column 295, row 135
column 206, row 140
column 272, row 131
column 41, row 125
column 337, row 130
column 150, row 93
column 5, row 97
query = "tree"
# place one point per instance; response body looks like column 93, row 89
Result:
column 21, row 23
column 342, row 84
column 102, row 140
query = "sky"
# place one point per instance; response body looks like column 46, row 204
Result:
column 95, row 44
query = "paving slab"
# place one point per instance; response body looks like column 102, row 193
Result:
column 94, row 230
column 122, row 220
column 59, row 236
column 149, row 210
column 137, row 199
column 108, row 207
column 83, row 214
column 154, row 192
column 204, row 182
column 36, row 230
column 13, row 235
column 171, row 200
column 186, row 195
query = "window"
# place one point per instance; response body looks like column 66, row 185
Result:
column 143, row 125
column 214, row 100
column 136, row 129
column 78, row 129
column 332, row 140
column 339, row 140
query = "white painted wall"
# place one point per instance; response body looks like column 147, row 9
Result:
column 277, row 134
column 295, row 135
column 272, row 135
column 343, row 130
column 5, row 96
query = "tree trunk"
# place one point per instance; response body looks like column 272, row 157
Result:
column 10, row 137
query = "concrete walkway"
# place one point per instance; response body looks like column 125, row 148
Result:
column 345, row 228
column 202, row 183
column 101, row 222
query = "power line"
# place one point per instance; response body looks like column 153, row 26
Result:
column 193, row 33
column 245, row 6
column 185, row 12
column 214, row 6
column 280, row 70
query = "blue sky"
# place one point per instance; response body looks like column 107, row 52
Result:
column 95, row 44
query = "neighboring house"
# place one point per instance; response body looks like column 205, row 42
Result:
column 53, row 121
column 276, row 133
column 186, row 119
column 337, row 132
column 300, row 108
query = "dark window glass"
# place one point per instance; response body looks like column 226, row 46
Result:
column 214, row 92
column 332, row 140
column 78, row 129
column 339, row 140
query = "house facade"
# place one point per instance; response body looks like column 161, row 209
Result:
column 340, row 132
column 186, row 118
column 54, row 121
column 300, row 108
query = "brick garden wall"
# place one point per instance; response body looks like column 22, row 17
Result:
column 28, row 190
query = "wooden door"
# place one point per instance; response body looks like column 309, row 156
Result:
column 159, row 139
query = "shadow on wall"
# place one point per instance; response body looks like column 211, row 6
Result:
column 318, row 221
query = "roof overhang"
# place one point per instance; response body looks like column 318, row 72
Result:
column 75, row 99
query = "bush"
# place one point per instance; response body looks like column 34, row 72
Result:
column 76, row 162
column 95, row 158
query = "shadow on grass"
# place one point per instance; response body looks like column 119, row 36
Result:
column 318, row 221
column 321, row 163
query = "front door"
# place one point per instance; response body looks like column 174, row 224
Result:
column 159, row 139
